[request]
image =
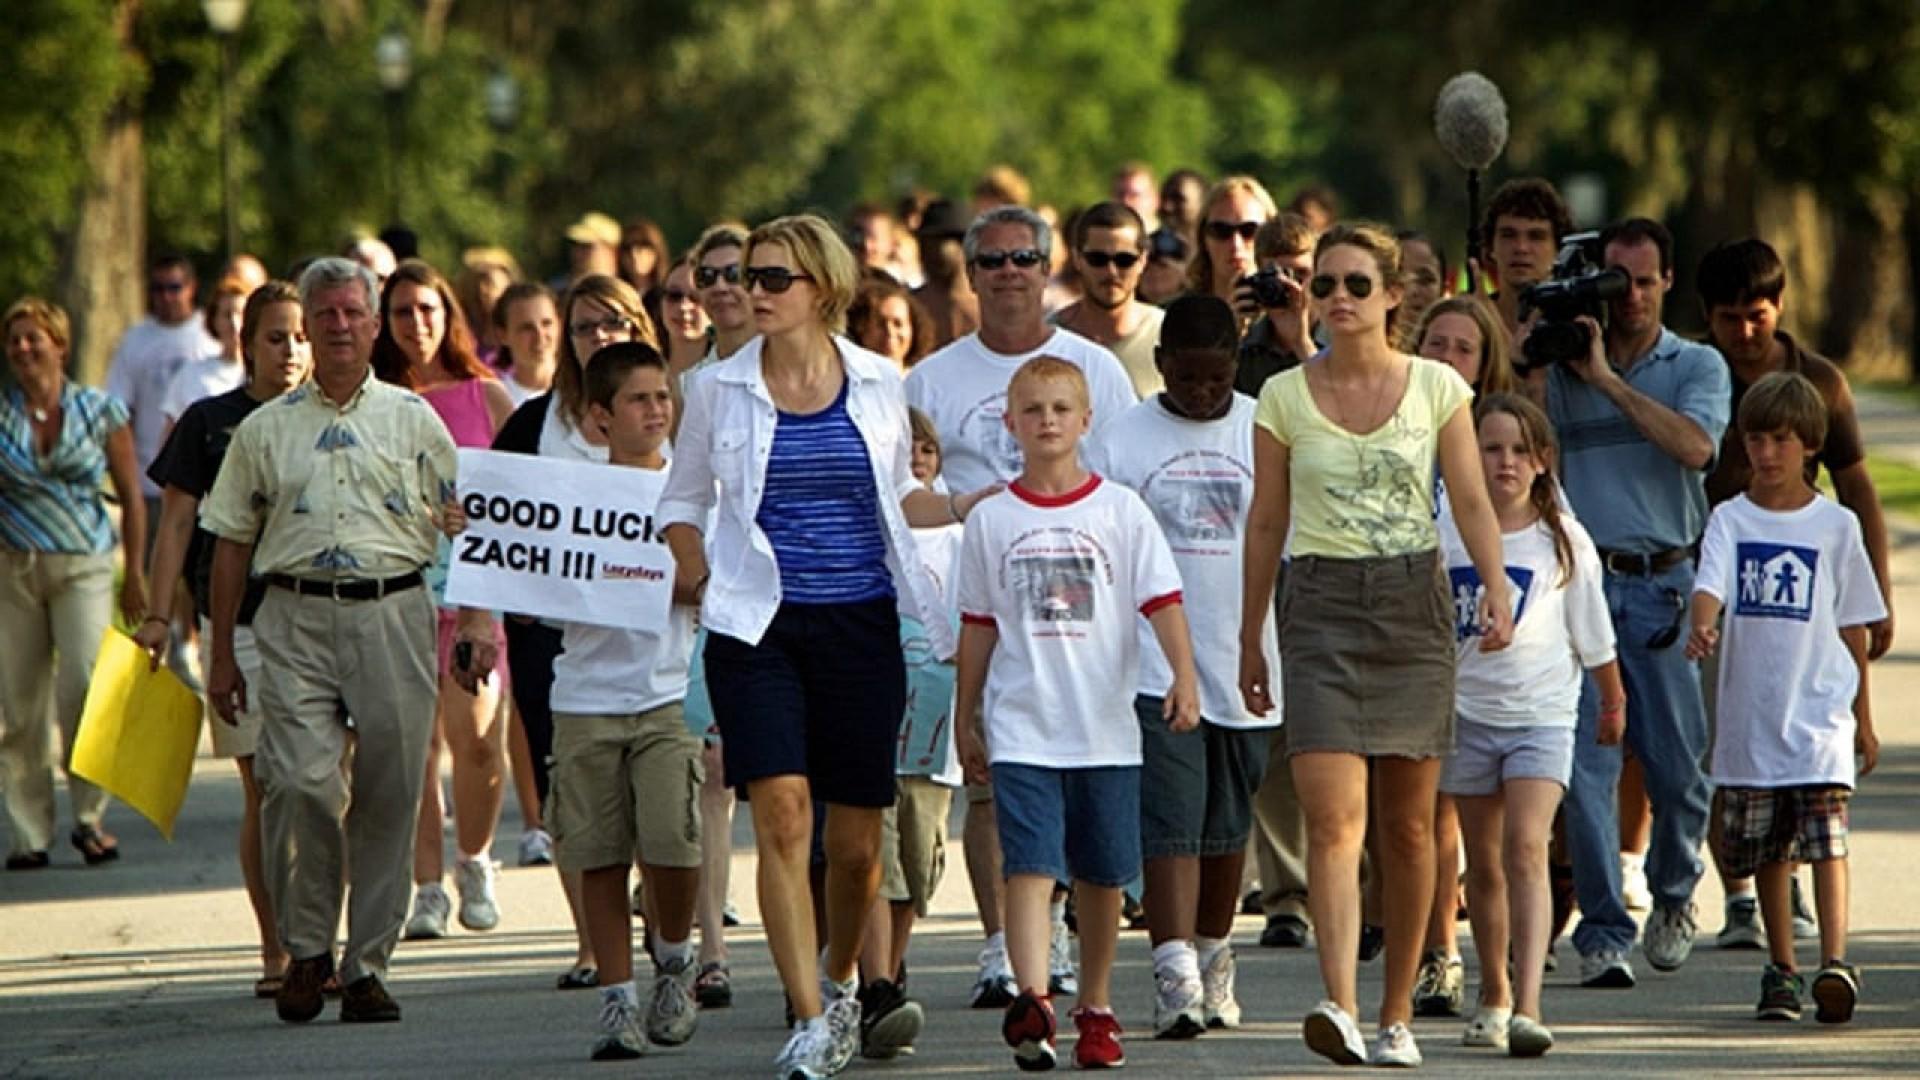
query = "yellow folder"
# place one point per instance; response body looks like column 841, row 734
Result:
column 139, row 733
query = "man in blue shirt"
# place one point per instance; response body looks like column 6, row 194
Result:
column 1640, row 420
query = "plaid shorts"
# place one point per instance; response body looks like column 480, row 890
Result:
column 1773, row 825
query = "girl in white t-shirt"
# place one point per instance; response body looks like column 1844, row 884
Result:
column 1514, row 728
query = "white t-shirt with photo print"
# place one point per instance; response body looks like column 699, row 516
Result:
column 963, row 389
column 1197, row 478
column 1790, row 582
column 1064, row 579
column 1559, row 628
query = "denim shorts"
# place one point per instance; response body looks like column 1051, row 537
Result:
column 1196, row 787
column 1487, row 755
column 1069, row 824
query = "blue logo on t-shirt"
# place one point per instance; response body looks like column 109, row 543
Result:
column 1775, row 581
column 1465, row 582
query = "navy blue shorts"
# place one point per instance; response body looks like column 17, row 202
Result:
column 1069, row 824
column 821, row 696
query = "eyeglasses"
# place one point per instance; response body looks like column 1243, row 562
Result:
column 707, row 276
column 611, row 326
column 1359, row 286
column 1024, row 258
column 774, row 279
column 167, row 286
column 1227, row 230
column 679, row 296
column 1121, row 259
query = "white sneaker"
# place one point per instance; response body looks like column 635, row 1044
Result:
column 620, row 1037
column 1218, row 1007
column 1394, row 1047
column 1487, row 1028
column 1607, row 968
column 1668, row 937
column 474, row 879
column 536, row 848
column 430, row 910
column 843, row 1030
column 994, row 988
column 1527, row 1037
column 1332, row 1034
column 1177, row 1006
column 1742, row 928
column 806, row 1055
column 1063, row 979
column 1634, row 892
column 673, row 1015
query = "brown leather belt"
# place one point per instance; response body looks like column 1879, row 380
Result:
column 346, row 588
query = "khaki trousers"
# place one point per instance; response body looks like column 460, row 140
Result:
column 1280, row 836
column 54, row 609
column 322, row 662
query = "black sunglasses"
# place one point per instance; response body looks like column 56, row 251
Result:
column 1667, row 635
column 1359, row 286
column 706, row 276
column 1099, row 259
column 680, row 296
column 774, row 279
column 1225, row 230
column 167, row 286
column 1024, row 258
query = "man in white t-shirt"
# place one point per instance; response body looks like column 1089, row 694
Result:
column 963, row 389
column 1188, row 453
column 1109, row 255
column 151, row 354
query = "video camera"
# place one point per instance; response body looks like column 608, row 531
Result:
column 1579, row 286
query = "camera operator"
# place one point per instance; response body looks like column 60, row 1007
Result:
column 1640, row 416
column 1524, row 224
column 1274, row 297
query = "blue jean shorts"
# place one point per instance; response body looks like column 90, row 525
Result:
column 1196, row 787
column 1069, row 824
column 1487, row 755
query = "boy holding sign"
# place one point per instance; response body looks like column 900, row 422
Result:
column 626, row 771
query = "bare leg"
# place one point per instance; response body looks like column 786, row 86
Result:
column 1442, row 925
column 853, row 882
column 1831, row 885
column 1219, row 893
column 981, row 840
column 1029, row 926
column 716, row 857
column 1404, row 809
column 1333, row 793
column 901, row 922
column 475, row 738
column 1636, row 814
column 1172, row 898
column 573, row 887
column 429, row 854
column 783, row 829
column 520, row 757
column 1099, row 907
column 1776, row 909
column 273, row 958
column 609, row 924
column 1483, row 818
column 1528, row 830
column 877, row 960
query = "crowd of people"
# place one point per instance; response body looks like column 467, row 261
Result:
column 1220, row 557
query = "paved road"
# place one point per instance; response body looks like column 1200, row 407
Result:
column 144, row 968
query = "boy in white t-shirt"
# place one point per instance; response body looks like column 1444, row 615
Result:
column 1052, row 573
column 1789, row 570
column 626, row 770
column 1188, row 453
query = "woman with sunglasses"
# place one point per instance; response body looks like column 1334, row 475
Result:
column 723, row 292
column 1344, row 455
column 1230, row 217
column 793, row 463
column 675, row 308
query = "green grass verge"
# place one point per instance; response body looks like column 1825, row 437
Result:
column 1898, row 484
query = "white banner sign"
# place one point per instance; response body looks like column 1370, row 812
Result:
column 563, row 540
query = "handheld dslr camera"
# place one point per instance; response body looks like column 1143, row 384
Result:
column 1267, row 288
column 1579, row 286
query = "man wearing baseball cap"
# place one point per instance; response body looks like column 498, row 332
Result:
column 593, row 246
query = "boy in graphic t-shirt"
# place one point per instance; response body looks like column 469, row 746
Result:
column 1788, row 569
column 1052, row 573
column 1188, row 452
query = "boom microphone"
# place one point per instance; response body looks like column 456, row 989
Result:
column 1470, row 119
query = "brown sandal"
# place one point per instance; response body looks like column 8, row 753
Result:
column 95, row 846
column 268, row 985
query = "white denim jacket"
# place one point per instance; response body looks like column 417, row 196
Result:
column 720, row 454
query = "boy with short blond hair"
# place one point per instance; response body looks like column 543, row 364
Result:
column 1052, row 573
column 1789, row 570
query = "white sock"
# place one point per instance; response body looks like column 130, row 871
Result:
column 666, row 952
column 1058, row 910
column 1177, row 958
column 1207, row 948
column 1744, row 892
column 837, row 990
column 625, row 990
column 997, row 940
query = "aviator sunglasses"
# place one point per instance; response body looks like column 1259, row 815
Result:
column 706, row 276
column 1024, row 258
column 1359, row 286
column 774, row 279
column 1121, row 259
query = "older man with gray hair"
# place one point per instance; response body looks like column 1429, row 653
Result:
column 963, row 389
column 333, row 495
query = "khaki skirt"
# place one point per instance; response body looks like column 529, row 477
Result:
column 1367, row 656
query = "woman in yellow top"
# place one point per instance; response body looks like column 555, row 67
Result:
column 1344, row 454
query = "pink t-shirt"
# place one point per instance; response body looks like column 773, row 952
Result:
column 463, row 408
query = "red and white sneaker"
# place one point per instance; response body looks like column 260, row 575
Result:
column 1099, row 1044
column 1029, row 1028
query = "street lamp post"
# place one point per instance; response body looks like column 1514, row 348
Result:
column 393, row 62
column 225, row 17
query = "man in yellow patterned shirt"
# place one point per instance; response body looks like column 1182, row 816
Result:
column 332, row 495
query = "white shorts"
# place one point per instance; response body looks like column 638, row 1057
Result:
column 1487, row 755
